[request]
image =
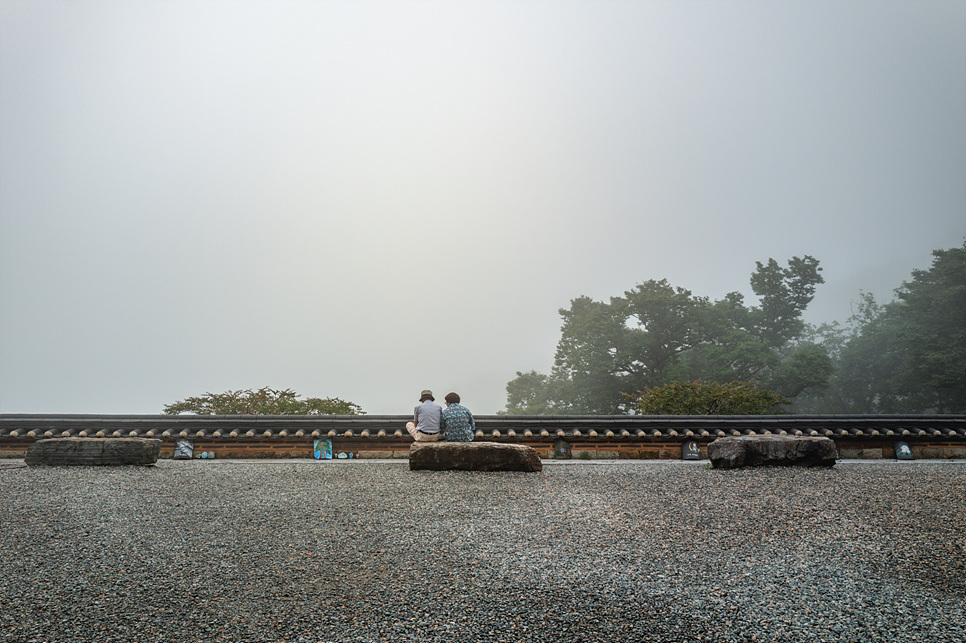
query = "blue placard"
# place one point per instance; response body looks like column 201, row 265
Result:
column 323, row 449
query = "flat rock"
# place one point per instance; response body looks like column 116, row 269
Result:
column 93, row 451
column 473, row 456
column 771, row 450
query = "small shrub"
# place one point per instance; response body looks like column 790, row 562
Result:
column 264, row 401
column 708, row 398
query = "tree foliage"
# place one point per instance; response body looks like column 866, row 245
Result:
column 657, row 333
column 929, row 326
column 784, row 295
column 708, row 398
column 264, row 401
column 906, row 356
column 528, row 394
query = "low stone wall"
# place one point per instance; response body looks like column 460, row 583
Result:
column 588, row 437
column 230, row 449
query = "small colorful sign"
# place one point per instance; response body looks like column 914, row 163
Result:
column 323, row 449
column 903, row 451
column 690, row 450
column 561, row 449
column 183, row 450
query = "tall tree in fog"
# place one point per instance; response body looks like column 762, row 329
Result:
column 765, row 343
column 907, row 356
column 657, row 333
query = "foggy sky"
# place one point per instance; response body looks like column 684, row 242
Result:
column 365, row 199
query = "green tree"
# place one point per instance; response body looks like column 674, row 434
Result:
column 930, row 333
column 264, row 401
column 858, row 353
column 529, row 394
column 784, row 293
column 708, row 398
column 908, row 356
column 803, row 368
column 606, row 349
column 588, row 368
column 657, row 333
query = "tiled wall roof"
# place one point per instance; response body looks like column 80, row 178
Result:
column 375, row 427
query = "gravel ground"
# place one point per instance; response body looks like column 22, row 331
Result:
column 369, row 551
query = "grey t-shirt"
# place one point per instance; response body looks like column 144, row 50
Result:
column 426, row 416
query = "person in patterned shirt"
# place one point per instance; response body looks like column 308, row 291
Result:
column 457, row 422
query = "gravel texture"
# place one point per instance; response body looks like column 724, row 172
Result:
column 369, row 551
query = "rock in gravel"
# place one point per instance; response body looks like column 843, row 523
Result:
column 93, row 451
column 473, row 456
column 772, row 450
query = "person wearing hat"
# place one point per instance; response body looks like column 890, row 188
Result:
column 426, row 416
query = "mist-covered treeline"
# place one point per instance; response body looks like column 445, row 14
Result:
column 904, row 356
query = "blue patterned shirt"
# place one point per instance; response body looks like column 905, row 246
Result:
column 458, row 424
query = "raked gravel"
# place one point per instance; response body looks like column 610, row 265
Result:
column 369, row 551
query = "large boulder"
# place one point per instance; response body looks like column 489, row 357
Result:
column 93, row 451
column 771, row 450
column 473, row 456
